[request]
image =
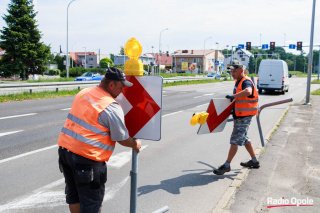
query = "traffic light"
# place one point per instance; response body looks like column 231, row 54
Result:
column 299, row 45
column 255, row 54
column 269, row 54
column 272, row 46
column 168, row 53
column 248, row 46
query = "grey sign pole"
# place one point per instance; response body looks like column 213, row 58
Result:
column 134, row 176
column 310, row 55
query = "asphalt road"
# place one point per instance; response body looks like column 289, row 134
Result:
column 175, row 171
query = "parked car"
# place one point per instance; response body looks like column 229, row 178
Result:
column 214, row 75
column 90, row 76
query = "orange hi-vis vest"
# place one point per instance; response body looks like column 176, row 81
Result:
column 246, row 106
column 82, row 134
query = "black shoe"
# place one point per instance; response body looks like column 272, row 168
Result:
column 222, row 169
column 250, row 164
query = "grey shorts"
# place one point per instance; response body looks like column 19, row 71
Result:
column 240, row 129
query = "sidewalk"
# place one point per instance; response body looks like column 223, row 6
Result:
column 290, row 167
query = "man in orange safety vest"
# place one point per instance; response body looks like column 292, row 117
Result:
column 93, row 126
column 246, row 106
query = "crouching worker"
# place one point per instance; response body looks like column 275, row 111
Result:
column 88, row 138
column 246, row 106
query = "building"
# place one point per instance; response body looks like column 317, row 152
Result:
column 84, row 59
column 146, row 59
column 166, row 60
column 241, row 55
column 198, row 61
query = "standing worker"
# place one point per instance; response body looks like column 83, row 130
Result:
column 88, row 138
column 246, row 106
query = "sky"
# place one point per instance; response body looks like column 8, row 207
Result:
column 107, row 25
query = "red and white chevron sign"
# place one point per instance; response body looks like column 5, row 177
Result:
column 141, row 105
column 219, row 110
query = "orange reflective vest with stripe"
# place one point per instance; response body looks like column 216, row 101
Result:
column 82, row 134
column 246, row 106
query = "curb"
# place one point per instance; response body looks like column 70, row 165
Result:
column 228, row 197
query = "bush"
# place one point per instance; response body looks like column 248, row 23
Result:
column 77, row 71
column 98, row 70
column 54, row 72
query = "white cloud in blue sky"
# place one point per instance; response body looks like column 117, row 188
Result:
column 106, row 25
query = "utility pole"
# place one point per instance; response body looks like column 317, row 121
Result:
column 310, row 55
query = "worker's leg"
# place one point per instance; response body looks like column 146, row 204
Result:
column 74, row 208
column 250, row 149
column 232, row 152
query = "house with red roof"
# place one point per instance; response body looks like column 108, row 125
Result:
column 198, row 61
column 82, row 59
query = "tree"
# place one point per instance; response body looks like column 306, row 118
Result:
column 251, row 65
column 59, row 60
column 21, row 41
column 121, row 50
column 105, row 63
column 112, row 57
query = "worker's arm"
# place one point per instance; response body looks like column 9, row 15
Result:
column 244, row 93
column 131, row 142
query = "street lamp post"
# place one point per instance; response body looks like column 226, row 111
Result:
column 160, row 49
column 204, row 48
column 67, row 57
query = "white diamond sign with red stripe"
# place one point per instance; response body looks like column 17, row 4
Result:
column 141, row 104
column 219, row 110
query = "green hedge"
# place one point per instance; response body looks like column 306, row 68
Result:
column 54, row 72
column 77, row 71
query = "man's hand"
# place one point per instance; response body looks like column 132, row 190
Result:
column 230, row 97
column 131, row 142
column 137, row 145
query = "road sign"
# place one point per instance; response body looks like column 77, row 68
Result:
column 141, row 105
column 216, row 62
column 240, row 46
column 265, row 46
column 292, row 46
column 219, row 110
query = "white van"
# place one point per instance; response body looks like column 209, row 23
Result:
column 273, row 75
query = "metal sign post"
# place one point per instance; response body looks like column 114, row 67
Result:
column 134, row 178
column 259, row 111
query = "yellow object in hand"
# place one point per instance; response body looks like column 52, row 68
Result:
column 199, row 118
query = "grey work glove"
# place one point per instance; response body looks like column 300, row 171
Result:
column 230, row 97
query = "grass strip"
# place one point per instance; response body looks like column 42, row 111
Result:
column 316, row 92
column 37, row 95
column 64, row 93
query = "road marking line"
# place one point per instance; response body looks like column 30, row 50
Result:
column 204, row 95
column 112, row 190
column 47, row 197
column 27, row 153
column 122, row 158
column 171, row 114
column 202, row 105
column 9, row 133
column 15, row 116
column 41, row 197
column 66, row 109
